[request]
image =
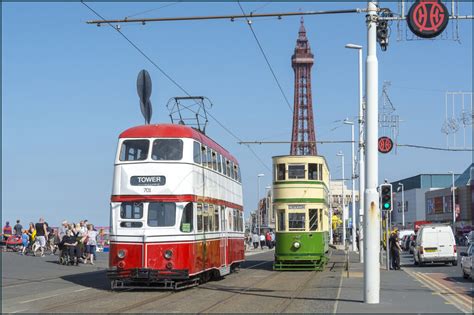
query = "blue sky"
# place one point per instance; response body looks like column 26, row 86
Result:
column 68, row 90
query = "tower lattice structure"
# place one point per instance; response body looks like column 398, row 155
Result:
column 303, row 139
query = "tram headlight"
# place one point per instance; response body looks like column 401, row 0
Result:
column 121, row 253
column 296, row 244
column 168, row 254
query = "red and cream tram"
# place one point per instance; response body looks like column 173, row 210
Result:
column 176, row 209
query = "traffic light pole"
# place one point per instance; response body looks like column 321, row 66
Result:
column 371, row 206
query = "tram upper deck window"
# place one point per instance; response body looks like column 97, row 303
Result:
column 134, row 150
column 167, row 149
column 313, row 171
column 320, row 167
column 187, row 219
column 197, row 152
column 161, row 214
column 219, row 163
column 296, row 171
column 280, row 169
column 130, row 210
column 296, row 221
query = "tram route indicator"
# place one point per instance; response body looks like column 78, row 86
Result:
column 147, row 180
column 427, row 18
column 385, row 144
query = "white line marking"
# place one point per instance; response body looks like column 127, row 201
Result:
column 84, row 289
column 41, row 298
column 20, row 311
column 338, row 292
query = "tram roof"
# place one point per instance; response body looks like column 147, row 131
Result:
column 175, row 131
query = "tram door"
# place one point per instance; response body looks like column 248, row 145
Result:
column 223, row 243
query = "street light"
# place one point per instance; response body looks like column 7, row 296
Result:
column 361, row 155
column 259, row 214
column 343, row 203
column 454, row 203
column 400, row 185
column 354, row 223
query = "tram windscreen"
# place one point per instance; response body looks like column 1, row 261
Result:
column 161, row 214
column 167, row 149
column 296, row 221
column 296, row 171
column 134, row 150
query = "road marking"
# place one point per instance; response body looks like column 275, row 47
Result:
column 41, row 298
column 265, row 262
column 452, row 291
column 19, row 311
column 453, row 299
column 338, row 292
column 84, row 289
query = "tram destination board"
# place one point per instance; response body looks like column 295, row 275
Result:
column 147, row 180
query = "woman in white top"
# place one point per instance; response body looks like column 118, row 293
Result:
column 90, row 239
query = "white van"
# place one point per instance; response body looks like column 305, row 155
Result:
column 435, row 243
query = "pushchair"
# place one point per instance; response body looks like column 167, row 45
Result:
column 65, row 258
column 14, row 243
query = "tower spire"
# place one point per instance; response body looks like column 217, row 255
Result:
column 303, row 139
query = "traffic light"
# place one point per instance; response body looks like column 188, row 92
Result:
column 386, row 197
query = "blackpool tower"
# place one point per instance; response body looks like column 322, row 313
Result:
column 303, row 139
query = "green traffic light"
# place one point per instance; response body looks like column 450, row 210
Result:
column 386, row 205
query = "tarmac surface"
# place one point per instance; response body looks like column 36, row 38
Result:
column 39, row 284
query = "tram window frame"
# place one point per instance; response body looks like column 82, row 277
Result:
column 205, row 217
column 166, row 217
column 169, row 150
column 236, row 176
column 216, row 218
column 210, row 214
column 280, row 171
column 294, row 171
column 232, row 171
column 140, row 152
column 292, row 221
column 132, row 216
column 228, row 168
column 203, row 155
column 281, row 220
column 187, row 217
column 209, row 158
column 224, row 167
column 234, row 219
column 199, row 217
column 241, row 225
column 214, row 160
column 219, row 162
column 313, row 171
column 197, row 152
column 239, row 174
column 320, row 171
column 311, row 224
column 131, row 224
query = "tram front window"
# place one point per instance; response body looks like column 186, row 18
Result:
column 131, row 210
column 167, row 149
column 296, row 221
column 161, row 214
column 313, row 171
column 281, row 220
column 134, row 150
column 187, row 219
column 313, row 219
column 296, row 171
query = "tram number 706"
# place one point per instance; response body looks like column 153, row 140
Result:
column 147, row 190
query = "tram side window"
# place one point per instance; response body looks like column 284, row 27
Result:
column 296, row 221
column 205, row 217
column 167, row 149
column 240, row 222
column 131, row 210
column 197, row 152
column 211, row 218
column 204, row 156
column 313, row 171
column 216, row 219
column 281, row 220
column 321, row 218
column 320, row 166
column 313, row 219
column 199, row 217
column 296, row 171
column 161, row 214
column 209, row 157
column 280, row 171
column 232, row 171
column 236, row 176
column 239, row 174
column 224, row 168
column 234, row 218
column 186, row 225
column 214, row 161
column 228, row 168
column 134, row 150
column 219, row 163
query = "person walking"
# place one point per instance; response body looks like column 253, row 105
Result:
column 90, row 239
column 41, row 235
column 25, row 238
column 268, row 240
column 273, row 238
column 18, row 228
column 262, row 240
column 255, row 240
column 7, row 231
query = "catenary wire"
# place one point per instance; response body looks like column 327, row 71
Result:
column 150, row 10
column 249, row 23
column 174, row 82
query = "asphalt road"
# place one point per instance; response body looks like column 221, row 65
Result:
column 39, row 284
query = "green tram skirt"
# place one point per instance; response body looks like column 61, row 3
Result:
column 301, row 250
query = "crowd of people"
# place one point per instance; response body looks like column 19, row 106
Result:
column 77, row 240
column 264, row 239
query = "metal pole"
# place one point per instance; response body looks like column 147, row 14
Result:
column 331, row 241
column 259, row 214
column 387, row 237
column 361, row 163
column 371, row 207
column 343, row 203
column 403, row 205
column 354, row 222
column 454, row 205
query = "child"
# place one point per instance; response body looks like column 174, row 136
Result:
column 24, row 241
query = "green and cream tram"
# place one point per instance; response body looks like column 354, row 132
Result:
column 300, row 201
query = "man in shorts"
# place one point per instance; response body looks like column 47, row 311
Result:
column 41, row 235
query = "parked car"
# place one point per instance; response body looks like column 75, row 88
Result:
column 466, row 262
column 412, row 244
column 435, row 243
column 403, row 242
column 403, row 233
column 470, row 238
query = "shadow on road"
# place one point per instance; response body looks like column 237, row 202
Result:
column 94, row 279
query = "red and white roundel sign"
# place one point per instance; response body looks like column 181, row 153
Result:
column 385, row 144
column 427, row 18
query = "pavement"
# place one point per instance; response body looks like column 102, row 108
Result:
column 250, row 250
column 410, row 290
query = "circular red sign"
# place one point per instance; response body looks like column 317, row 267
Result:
column 427, row 18
column 385, row 144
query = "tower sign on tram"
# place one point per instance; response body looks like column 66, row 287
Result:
column 427, row 18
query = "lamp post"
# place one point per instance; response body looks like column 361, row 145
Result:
column 403, row 203
column 453, row 188
column 354, row 222
column 343, row 202
column 259, row 214
column 361, row 155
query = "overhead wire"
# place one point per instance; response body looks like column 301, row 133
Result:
column 249, row 23
column 173, row 81
column 150, row 10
